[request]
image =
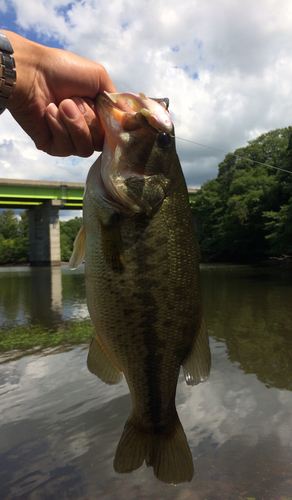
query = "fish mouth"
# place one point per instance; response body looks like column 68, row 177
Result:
column 134, row 125
column 133, row 111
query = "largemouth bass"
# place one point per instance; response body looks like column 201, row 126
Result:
column 142, row 281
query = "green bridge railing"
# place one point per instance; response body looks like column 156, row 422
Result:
column 22, row 194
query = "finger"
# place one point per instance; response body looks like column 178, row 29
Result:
column 60, row 142
column 94, row 124
column 83, row 125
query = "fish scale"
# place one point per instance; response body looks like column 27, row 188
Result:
column 143, row 285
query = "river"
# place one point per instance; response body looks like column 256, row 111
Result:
column 60, row 425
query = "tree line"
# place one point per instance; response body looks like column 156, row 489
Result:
column 244, row 215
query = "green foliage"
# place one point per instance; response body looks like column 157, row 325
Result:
column 246, row 213
column 14, row 238
column 279, row 229
column 38, row 337
column 68, row 233
column 8, row 224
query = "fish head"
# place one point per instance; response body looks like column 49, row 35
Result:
column 137, row 150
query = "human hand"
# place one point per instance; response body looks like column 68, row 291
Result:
column 54, row 98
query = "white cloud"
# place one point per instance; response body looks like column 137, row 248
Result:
column 228, row 406
column 225, row 65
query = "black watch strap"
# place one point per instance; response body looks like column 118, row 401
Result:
column 7, row 72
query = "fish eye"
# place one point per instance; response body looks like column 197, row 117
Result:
column 164, row 140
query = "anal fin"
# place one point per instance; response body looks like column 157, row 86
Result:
column 99, row 363
column 196, row 366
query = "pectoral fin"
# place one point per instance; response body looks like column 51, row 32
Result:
column 197, row 365
column 78, row 249
column 112, row 244
column 99, row 363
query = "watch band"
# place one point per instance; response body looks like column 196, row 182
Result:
column 7, row 72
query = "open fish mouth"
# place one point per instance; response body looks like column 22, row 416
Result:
column 135, row 110
column 134, row 127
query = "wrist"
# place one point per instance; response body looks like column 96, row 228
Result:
column 7, row 72
column 27, row 56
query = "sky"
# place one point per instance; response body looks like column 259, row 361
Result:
column 225, row 65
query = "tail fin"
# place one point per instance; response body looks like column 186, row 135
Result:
column 168, row 453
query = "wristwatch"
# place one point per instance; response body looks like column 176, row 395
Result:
column 7, row 72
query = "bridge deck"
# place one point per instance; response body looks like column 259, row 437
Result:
column 15, row 193
column 22, row 194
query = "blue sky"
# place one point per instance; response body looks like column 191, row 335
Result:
column 226, row 66
column 9, row 21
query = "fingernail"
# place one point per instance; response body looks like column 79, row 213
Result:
column 79, row 104
column 52, row 110
column 70, row 109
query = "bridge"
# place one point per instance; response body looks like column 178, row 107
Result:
column 43, row 200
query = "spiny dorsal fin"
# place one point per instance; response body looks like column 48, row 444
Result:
column 99, row 363
column 197, row 365
column 78, row 249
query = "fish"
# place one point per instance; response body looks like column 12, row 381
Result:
column 142, row 280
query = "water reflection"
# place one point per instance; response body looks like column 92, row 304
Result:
column 74, row 299
column 60, row 425
column 48, row 295
column 250, row 309
column 14, row 295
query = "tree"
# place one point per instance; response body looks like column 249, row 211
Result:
column 209, row 207
column 14, row 238
column 239, row 208
column 278, row 225
column 279, row 229
column 8, row 224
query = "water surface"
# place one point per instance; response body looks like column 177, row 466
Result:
column 60, row 425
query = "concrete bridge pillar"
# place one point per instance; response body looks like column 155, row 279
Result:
column 44, row 234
